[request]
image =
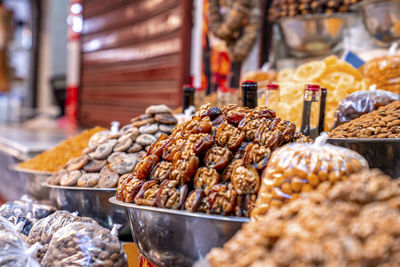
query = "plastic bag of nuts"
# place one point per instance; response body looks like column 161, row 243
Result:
column 297, row 168
column 84, row 244
column 362, row 102
column 14, row 251
column 43, row 230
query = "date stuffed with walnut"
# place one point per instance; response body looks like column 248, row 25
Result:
column 212, row 163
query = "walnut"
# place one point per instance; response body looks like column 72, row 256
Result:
column 235, row 115
column 173, row 146
column 184, row 169
column 147, row 194
column 245, row 180
column 157, row 148
column 218, row 157
column 144, row 167
column 196, row 201
column 131, row 189
column 221, row 199
column 208, row 110
column 170, row 195
column 230, row 136
column 250, row 126
column 120, row 188
column 198, row 125
column 161, row 171
column 199, row 143
column 257, row 156
column 227, row 174
column 206, row 178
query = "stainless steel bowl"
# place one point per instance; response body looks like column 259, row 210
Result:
column 383, row 153
column 314, row 35
column 33, row 182
column 381, row 18
column 90, row 202
column 177, row 238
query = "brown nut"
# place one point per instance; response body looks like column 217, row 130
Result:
column 145, row 166
column 131, row 189
column 184, row 169
column 218, row 157
column 245, row 180
column 147, row 194
column 195, row 201
column 221, row 199
column 171, row 195
column 230, row 136
column 256, row 156
column 206, row 178
column 161, row 171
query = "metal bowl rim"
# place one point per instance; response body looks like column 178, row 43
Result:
column 77, row 188
column 114, row 201
column 342, row 15
column 29, row 171
column 359, row 5
column 366, row 140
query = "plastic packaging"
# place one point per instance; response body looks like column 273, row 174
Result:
column 84, row 244
column 13, row 250
column 384, row 72
column 360, row 103
column 25, row 212
column 44, row 229
column 297, row 168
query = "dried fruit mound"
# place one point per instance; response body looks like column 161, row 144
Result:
column 210, row 164
column 353, row 223
column 381, row 123
column 55, row 158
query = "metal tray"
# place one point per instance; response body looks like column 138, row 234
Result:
column 381, row 153
column 90, row 202
column 33, row 182
column 177, row 238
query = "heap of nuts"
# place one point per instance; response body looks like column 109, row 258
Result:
column 209, row 164
column 44, row 229
column 299, row 168
column 352, row 223
column 84, row 244
column 102, row 164
column 290, row 8
column 381, row 123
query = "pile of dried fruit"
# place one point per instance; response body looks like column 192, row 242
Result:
column 55, row 159
column 210, row 164
column 103, row 164
column 381, row 123
column 354, row 223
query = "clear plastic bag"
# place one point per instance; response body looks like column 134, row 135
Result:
column 26, row 211
column 84, row 244
column 297, row 168
column 362, row 102
column 13, row 250
column 44, row 229
column 384, row 72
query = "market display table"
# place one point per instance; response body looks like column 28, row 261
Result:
column 17, row 144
